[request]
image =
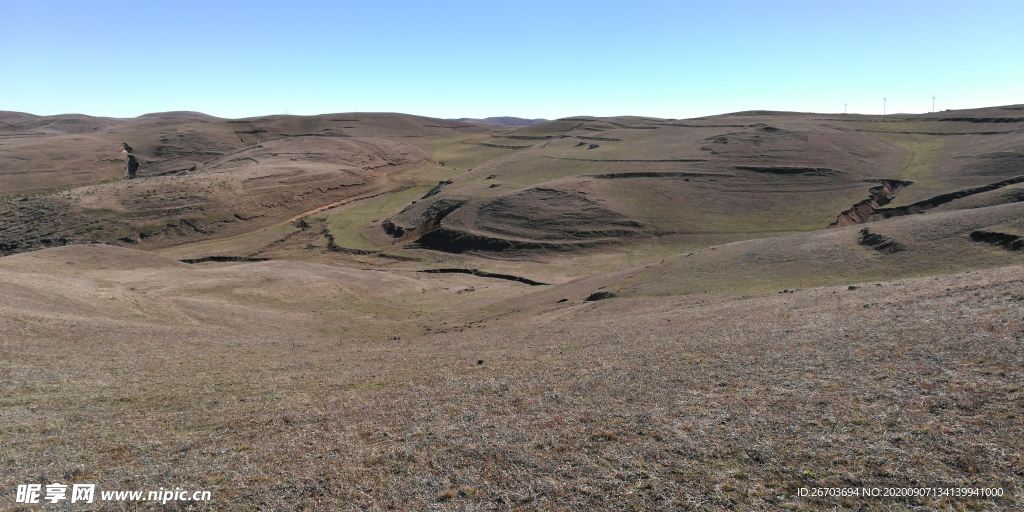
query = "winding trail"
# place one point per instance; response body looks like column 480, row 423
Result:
column 347, row 200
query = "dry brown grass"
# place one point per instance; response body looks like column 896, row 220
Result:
column 676, row 403
column 340, row 377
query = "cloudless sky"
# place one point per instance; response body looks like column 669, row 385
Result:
column 530, row 59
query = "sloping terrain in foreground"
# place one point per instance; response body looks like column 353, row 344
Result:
column 708, row 401
column 383, row 311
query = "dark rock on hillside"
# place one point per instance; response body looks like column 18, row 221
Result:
column 131, row 166
column 601, row 295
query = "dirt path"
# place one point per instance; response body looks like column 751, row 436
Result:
column 386, row 185
column 385, row 180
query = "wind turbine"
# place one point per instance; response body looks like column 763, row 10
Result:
column 883, row 105
column 933, row 103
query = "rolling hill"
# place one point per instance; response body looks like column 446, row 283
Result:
column 388, row 311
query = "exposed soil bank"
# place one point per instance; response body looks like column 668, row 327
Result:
column 880, row 243
column 984, row 119
column 870, row 209
column 548, row 137
column 333, row 247
column 600, row 295
column 1004, row 240
column 928, row 204
column 437, row 189
column 221, row 259
column 501, row 146
column 807, row 171
column 457, row 241
column 656, row 174
column 877, row 197
column 645, row 160
column 428, row 220
column 481, row 273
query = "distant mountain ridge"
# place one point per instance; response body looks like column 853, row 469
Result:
column 503, row 121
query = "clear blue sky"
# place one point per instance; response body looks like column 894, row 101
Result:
column 528, row 59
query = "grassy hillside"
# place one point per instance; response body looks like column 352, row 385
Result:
column 135, row 371
column 392, row 312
